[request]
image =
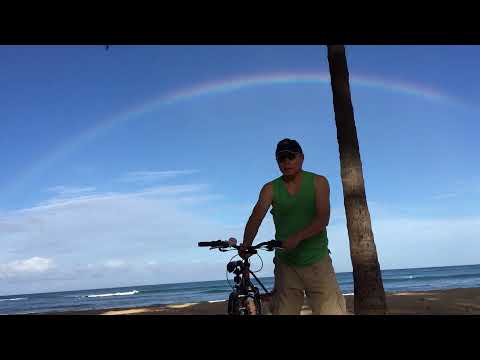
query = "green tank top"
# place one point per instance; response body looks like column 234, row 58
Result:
column 292, row 213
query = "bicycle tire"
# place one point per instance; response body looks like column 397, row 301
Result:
column 238, row 306
column 231, row 301
column 258, row 304
column 251, row 306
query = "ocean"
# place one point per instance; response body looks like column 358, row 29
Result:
column 435, row 278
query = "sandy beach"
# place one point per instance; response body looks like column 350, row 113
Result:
column 437, row 302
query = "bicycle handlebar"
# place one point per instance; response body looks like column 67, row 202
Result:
column 269, row 244
column 225, row 244
column 211, row 243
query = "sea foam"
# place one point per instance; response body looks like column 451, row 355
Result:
column 133, row 292
column 13, row 299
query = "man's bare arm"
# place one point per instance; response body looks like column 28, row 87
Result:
column 322, row 217
column 258, row 214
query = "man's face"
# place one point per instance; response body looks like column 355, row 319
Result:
column 289, row 163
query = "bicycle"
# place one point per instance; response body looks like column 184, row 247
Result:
column 245, row 298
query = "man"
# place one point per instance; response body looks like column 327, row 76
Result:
column 301, row 211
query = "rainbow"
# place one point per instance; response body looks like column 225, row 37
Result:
column 237, row 83
column 225, row 86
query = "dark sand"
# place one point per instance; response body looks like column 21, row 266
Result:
column 438, row 302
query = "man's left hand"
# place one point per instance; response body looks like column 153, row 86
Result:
column 291, row 243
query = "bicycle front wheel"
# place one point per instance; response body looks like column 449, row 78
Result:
column 252, row 306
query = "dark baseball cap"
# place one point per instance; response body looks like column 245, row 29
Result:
column 289, row 145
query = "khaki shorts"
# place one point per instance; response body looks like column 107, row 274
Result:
column 318, row 282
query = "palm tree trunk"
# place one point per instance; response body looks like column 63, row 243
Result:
column 368, row 286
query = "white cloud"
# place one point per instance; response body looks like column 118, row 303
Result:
column 149, row 176
column 414, row 242
column 32, row 265
column 150, row 237
column 115, row 263
column 173, row 190
column 460, row 188
column 70, row 190
column 99, row 238
column 444, row 196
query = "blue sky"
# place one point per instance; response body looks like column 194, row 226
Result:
column 105, row 183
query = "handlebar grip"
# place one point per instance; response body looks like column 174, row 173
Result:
column 212, row 243
column 208, row 243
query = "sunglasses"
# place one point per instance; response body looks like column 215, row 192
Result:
column 288, row 155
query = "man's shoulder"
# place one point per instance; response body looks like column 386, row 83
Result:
column 266, row 193
column 268, row 186
column 272, row 182
column 320, row 180
column 318, row 177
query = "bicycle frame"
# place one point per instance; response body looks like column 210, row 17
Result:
column 245, row 299
column 245, row 289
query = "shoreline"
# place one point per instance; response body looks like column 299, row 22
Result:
column 459, row 301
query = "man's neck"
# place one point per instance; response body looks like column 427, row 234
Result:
column 293, row 178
